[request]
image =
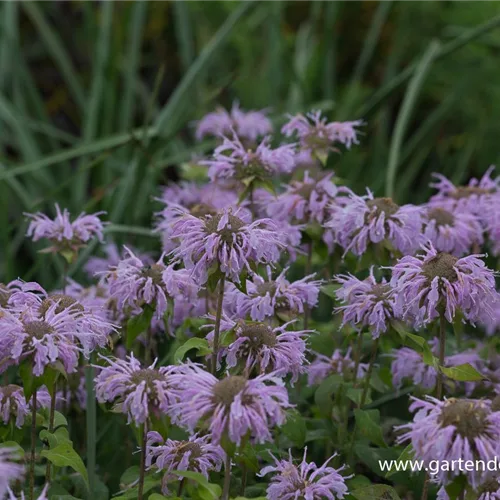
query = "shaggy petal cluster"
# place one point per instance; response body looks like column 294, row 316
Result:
column 452, row 231
column 133, row 284
column 306, row 480
column 366, row 303
column 43, row 494
column 197, row 454
column 454, row 429
column 63, row 233
column 135, row 391
column 10, row 471
column 304, row 201
column 13, row 405
column 267, row 297
column 227, row 242
column 489, row 489
column 258, row 345
column 324, row 366
column 433, row 280
column 365, row 219
column 408, row 364
column 96, row 265
column 248, row 125
column 233, row 406
column 231, row 160
column 194, row 199
column 317, row 135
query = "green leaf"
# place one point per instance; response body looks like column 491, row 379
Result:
column 406, row 454
column 376, row 491
column 65, row 456
column 355, row 394
column 325, row 391
column 295, row 428
column 59, row 418
column 463, row 373
column 54, row 439
column 18, row 451
column 138, row 324
column 330, row 289
column 214, row 489
column 368, row 427
column 201, row 346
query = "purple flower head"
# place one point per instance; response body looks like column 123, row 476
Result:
column 42, row 496
column 135, row 391
column 233, row 405
column 65, row 235
column 258, row 345
column 197, row 454
column 366, row 303
column 248, row 125
column 10, row 471
column 342, row 364
column 13, row 405
column 267, row 297
column 193, row 199
column 365, row 219
column 409, row 364
column 227, row 242
column 319, row 136
column 434, row 281
column 489, row 489
column 304, row 201
column 306, row 480
column 474, row 198
column 452, row 231
column 231, row 160
column 73, row 394
column 454, row 429
column 97, row 265
column 134, row 284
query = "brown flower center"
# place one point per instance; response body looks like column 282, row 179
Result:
column 4, row 295
column 8, row 390
column 37, row 329
column 466, row 191
column 234, row 225
column 227, row 389
column 385, row 205
column 495, row 404
column 146, row 375
column 266, row 287
column 155, row 272
column 467, row 416
column 491, row 485
column 259, row 335
column 63, row 302
column 201, row 210
column 381, row 290
column 441, row 266
column 194, row 448
column 441, row 216
column 306, row 189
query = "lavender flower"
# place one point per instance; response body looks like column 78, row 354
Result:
column 42, row 496
column 231, row 160
column 268, row 297
column 134, row 284
column 73, row 394
column 135, row 391
column 13, row 405
column 319, row 136
column 364, row 220
column 433, row 280
column 234, row 405
column 454, row 429
column 257, row 345
column 452, row 231
column 9, row 470
column 248, row 125
column 342, row 364
column 306, row 480
column 489, row 489
column 366, row 303
column 197, row 454
column 97, row 265
column 65, row 236
column 227, row 242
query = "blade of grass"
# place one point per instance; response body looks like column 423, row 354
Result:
column 184, row 34
column 167, row 120
column 456, row 44
column 405, row 113
column 275, row 66
column 94, row 101
column 55, row 47
column 330, row 59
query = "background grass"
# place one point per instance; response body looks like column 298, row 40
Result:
column 96, row 99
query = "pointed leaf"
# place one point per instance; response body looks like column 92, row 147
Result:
column 65, row 456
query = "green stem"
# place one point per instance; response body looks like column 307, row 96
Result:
column 33, row 445
column 227, row 477
column 218, row 317
column 442, row 346
column 181, row 487
column 51, row 426
column 369, row 373
column 307, row 273
column 357, row 358
column 91, row 428
column 425, row 491
column 142, row 471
